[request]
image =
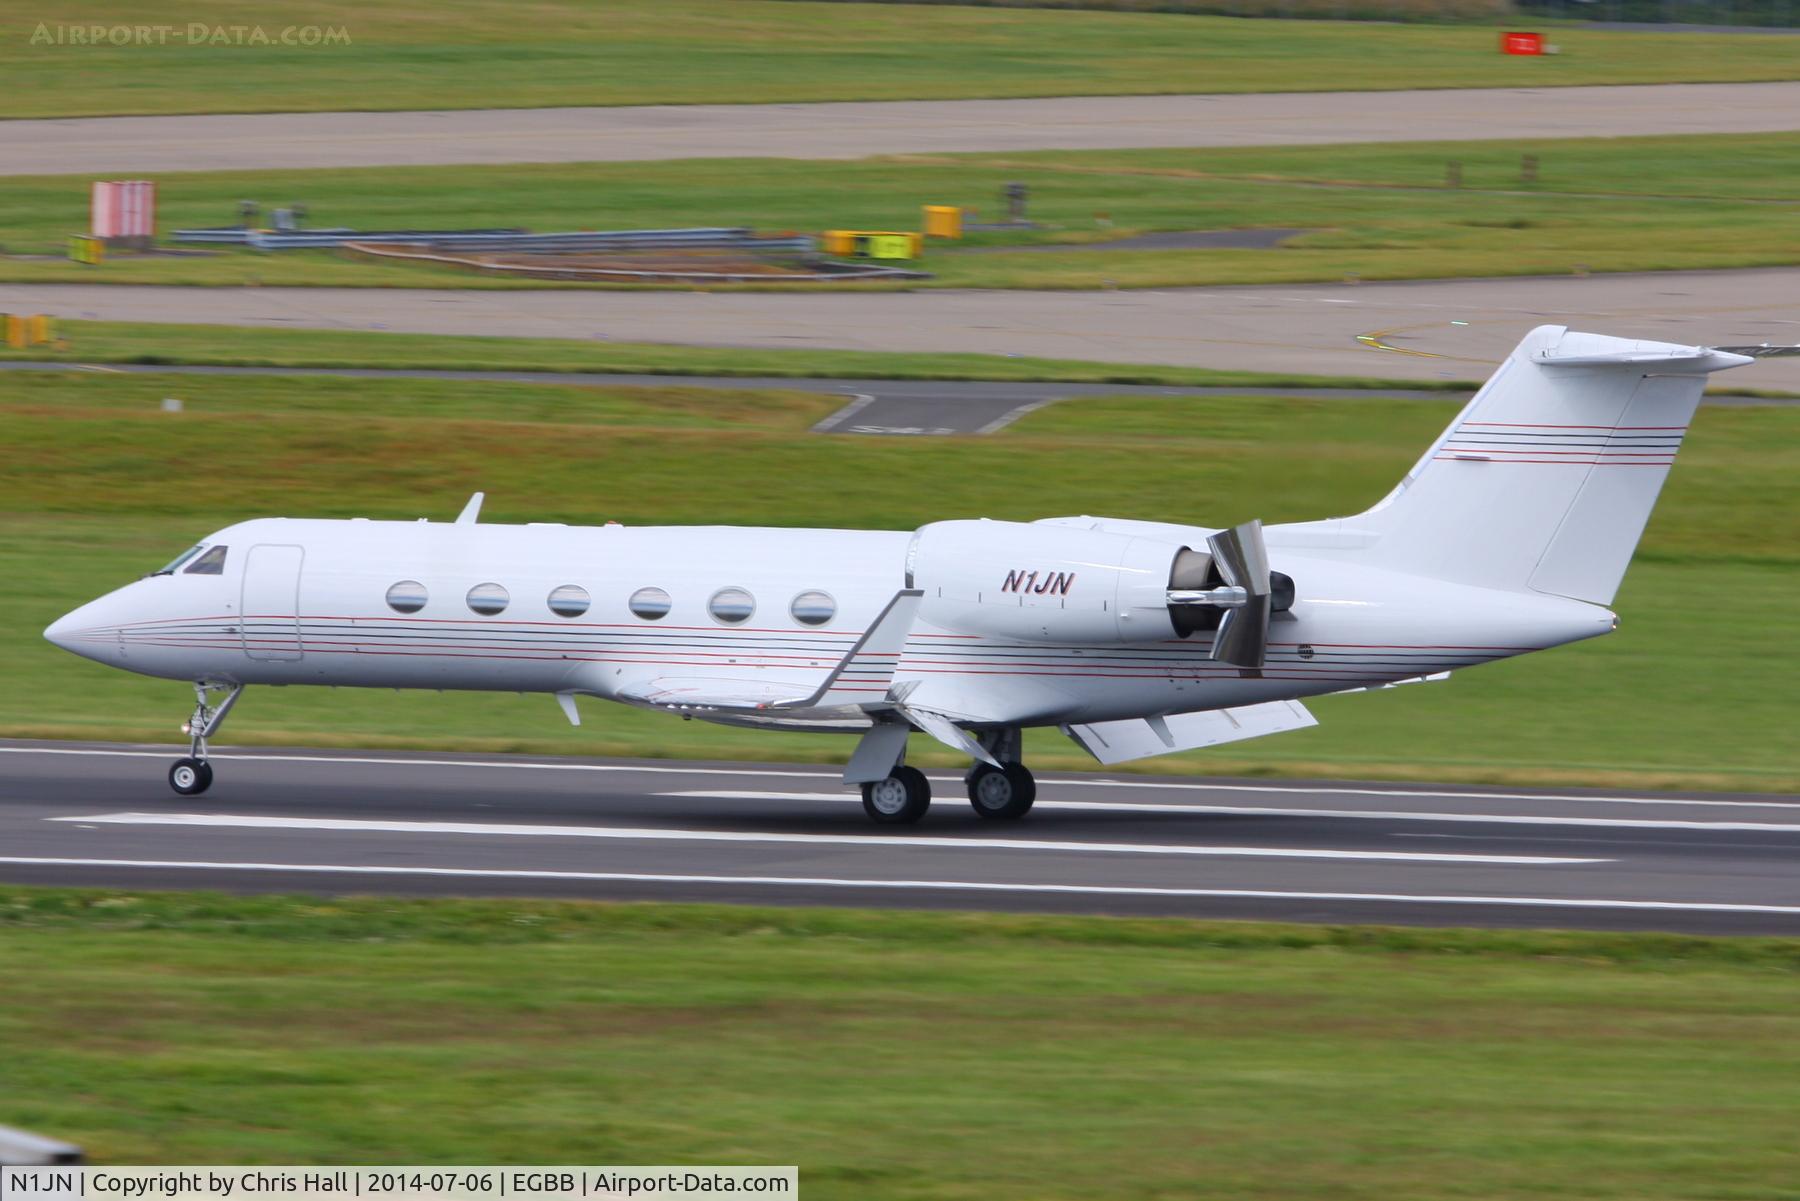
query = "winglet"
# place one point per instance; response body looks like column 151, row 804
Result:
column 867, row 671
column 471, row 511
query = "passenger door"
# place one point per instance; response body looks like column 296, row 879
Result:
column 270, row 613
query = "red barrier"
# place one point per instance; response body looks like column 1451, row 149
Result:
column 124, row 209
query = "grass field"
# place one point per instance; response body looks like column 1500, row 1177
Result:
column 210, row 345
column 98, row 487
column 470, row 54
column 905, row 1055
column 1375, row 211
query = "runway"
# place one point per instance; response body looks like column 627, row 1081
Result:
column 383, row 822
column 1432, row 330
column 855, row 130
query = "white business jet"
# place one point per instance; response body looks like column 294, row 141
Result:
column 1136, row 638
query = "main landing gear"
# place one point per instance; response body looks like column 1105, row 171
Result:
column 1001, row 793
column 900, row 798
column 194, row 775
column 1005, row 792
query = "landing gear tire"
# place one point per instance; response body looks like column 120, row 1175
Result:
column 193, row 775
column 1002, row 793
column 900, row 799
column 190, row 777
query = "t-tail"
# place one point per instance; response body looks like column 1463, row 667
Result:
column 1545, row 480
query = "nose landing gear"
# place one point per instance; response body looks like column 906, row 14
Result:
column 194, row 775
column 190, row 777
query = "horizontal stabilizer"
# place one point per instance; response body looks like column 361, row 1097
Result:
column 1545, row 480
column 1699, row 358
column 1762, row 350
column 1139, row 738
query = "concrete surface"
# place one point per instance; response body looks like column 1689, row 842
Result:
column 376, row 821
column 1439, row 329
column 144, row 145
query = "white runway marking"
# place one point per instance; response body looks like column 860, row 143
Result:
column 1254, row 811
column 893, row 885
column 858, row 402
column 831, row 777
column 911, row 842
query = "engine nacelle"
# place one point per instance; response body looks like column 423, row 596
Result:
column 1043, row 583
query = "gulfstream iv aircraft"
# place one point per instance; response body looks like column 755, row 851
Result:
column 1135, row 638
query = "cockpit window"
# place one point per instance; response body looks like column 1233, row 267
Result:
column 177, row 561
column 210, row 563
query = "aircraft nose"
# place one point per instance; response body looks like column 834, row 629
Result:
column 78, row 630
column 57, row 632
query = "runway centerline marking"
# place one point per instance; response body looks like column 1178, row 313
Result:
column 791, row 774
column 1409, row 815
column 651, row 834
column 893, row 885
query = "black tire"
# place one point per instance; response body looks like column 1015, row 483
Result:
column 899, row 800
column 1002, row 794
column 190, row 777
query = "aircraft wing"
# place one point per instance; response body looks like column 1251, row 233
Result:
column 861, row 679
column 1139, row 738
column 704, row 693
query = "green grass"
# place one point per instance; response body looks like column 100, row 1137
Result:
column 98, row 487
column 1372, row 211
column 471, row 54
column 88, row 342
column 905, row 1055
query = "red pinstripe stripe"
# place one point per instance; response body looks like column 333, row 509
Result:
column 1524, row 425
column 1551, row 462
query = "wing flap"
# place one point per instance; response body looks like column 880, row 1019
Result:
column 947, row 732
column 703, row 692
column 1139, row 738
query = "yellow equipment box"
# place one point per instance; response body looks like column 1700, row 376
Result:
column 943, row 221
column 86, row 249
column 873, row 243
column 26, row 330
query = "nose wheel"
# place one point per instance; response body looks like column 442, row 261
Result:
column 194, row 775
column 190, row 777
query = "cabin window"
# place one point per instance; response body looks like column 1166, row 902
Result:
column 210, row 563
column 650, row 603
column 731, row 606
column 408, row 596
column 813, row 608
column 177, row 561
column 570, row 600
column 489, row 599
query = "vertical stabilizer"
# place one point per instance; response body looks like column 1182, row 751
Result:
column 1545, row 480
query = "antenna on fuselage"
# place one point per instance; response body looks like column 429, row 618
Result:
column 471, row 511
